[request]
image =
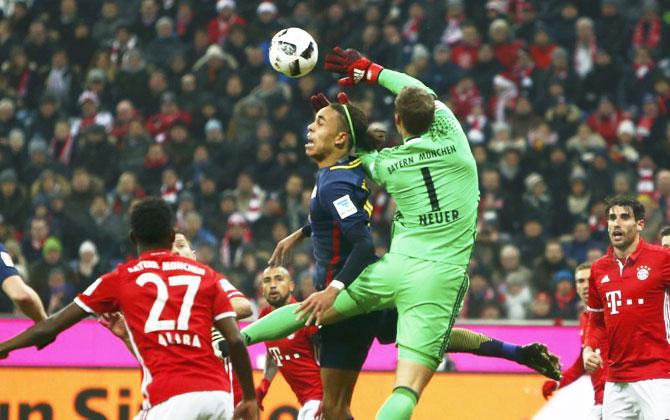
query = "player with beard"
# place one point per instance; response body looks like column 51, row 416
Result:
column 629, row 302
column 294, row 356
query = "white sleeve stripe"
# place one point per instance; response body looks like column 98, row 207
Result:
column 588, row 308
column 225, row 315
column 84, row 306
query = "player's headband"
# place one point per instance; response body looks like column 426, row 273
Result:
column 351, row 125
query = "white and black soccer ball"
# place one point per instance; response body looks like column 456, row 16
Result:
column 293, row 52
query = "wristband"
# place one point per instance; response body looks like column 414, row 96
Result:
column 336, row 284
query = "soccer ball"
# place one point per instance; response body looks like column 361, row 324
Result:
column 293, row 52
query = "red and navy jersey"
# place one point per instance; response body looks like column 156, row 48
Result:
column 7, row 268
column 339, row 203
column 630, row 300
column 294, row 356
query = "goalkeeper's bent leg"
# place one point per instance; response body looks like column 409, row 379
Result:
column 466, row 341
column 277, row 324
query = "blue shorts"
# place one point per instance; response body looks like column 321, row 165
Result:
column 345, row 345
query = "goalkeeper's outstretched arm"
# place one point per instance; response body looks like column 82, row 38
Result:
column 395, row 81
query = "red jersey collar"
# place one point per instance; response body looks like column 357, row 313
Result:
column 633, row 256
column 154, row 252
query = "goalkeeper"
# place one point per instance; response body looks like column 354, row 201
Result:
column 433, row 178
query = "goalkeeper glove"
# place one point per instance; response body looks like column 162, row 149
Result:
column 352, row 64
column 549, row 387
column 261, row 391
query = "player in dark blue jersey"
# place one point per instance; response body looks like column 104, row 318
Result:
column 19, row 292
column 339, row 227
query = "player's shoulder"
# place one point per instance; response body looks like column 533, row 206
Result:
column 655, row 249
column 338, row 175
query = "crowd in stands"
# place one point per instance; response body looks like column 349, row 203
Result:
column 103, row 102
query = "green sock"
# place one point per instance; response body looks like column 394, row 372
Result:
column 277, row 324
column 399, row 405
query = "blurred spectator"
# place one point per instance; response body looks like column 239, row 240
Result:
column 548, row 265
column 226, row 18
column 566, row 300
column 14, row 203
column 51, row 277
column 517, row 296
column 88, row 267
column 237, row 237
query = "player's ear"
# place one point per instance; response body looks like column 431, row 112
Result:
column 341, row 139
column 640, row 225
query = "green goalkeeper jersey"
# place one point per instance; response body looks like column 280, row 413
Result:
column 433, row 179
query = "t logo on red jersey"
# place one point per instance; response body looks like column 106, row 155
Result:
column 613, row 301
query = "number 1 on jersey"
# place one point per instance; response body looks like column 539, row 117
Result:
column 432, row 195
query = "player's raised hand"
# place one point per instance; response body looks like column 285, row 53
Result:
column 246, row 410
column 314, row 307
column 282, row 252
column 352, row 64
column 548, row 388
column 592, row 359
column 319, row 101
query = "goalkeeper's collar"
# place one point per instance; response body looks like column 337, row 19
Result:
column 410, row 139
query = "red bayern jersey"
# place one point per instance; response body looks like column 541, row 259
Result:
column 169, row 303
column 575, row 371
column 630, row 300
column 294, row 355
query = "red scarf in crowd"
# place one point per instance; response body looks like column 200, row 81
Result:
column 647, row 34
column 62, row 150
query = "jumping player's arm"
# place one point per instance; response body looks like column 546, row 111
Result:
column 339, row 198
column 282, row 252
column 44, row 332
column 98, row 298
column 23, row 296
column 595, row 330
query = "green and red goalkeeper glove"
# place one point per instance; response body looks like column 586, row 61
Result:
column 353, row 65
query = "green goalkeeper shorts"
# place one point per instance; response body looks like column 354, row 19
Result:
column 427, row 294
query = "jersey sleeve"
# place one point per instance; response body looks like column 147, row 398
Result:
column 574, row 372
column 339, row 197
column 101, row 296
column 594, row 303
column 222, row 308
column 231, row 291
column 7, row 268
